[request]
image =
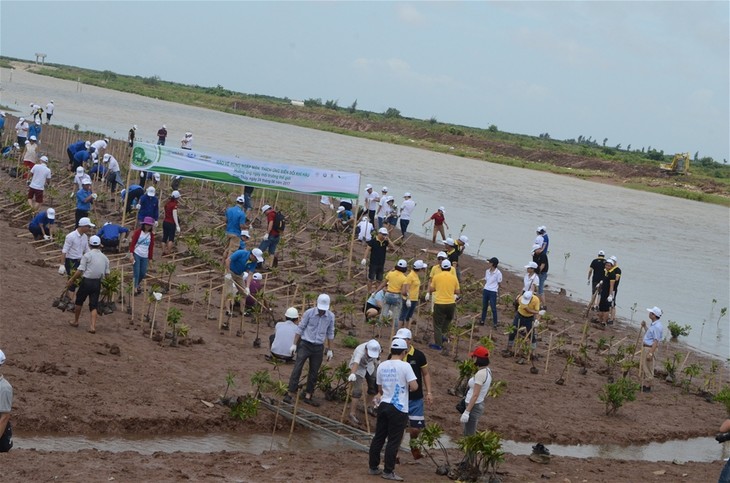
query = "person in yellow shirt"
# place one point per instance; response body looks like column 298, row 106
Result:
column 528, row 308
column 445, row 288
column 441, row 256
column 394, row 282
column 412, row 288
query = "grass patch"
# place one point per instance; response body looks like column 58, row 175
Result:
column 681, row 193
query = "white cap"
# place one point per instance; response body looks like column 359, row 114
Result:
column 134, row 127
column 442, row 255
column 406, row 195
column 106, row 157
column 86, row 180
column 323, row 302
column 399, row 344
column 51, row 214
column 441, row 209
column 151, row 191
column 33, row 138
column 2, row 113
column 464, row 239
column 526, row 297
column 404, row 334
column 383, row 231
column 258, row 254
column 656, row 311
column 613, row 259
column 385, row 189
column 240, row 199
column 368, row 186
column 156, row 176
column 2, row 358
column 419, row 264
column 94, row 241
column 373, row 348
column 601, row 253
column 86, row 222
column 402, row 264
column 245, row 233
column 541, row 229
column 107, row 223
column 37, row 121
column 340, row 209
column 175, row 194
column 257, row 276
column 445, row 265
column 22, row 119
column 291, row 313
column 164, row 127
column 80, row 170
column 87, row 144
column 608, row 260
column 44, row 159
column 265, row 207
column 449, row 242
column 531, row 265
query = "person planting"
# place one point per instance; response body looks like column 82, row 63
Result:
column 141, row 250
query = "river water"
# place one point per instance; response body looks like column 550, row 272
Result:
column 674, row 253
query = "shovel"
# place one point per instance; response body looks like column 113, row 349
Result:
column 62, row 298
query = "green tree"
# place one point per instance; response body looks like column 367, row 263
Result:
column 392, row 112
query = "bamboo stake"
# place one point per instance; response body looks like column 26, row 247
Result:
column 154, row 315
column 294, row 416
column 210, row 295
column 220, row 311
column 550, row 348
column 347, row 400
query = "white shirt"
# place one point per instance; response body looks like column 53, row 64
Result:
column 94, row 264
column 142, row 248
column 371, row 200
column 493, row 279
column 364, row 363
column 31, row 153
column 113, row 164
column 41, row 173
column 75, row 245
column 283, row 338
column 382, row 204
column 6, row 396
column 406, row 208
column 187, row 142
column 483, row 377
column 49, row 108
column 366, row 230
column 99, row 145
column 394, row 376
column 22, row 129
column 77, row 180
column 529, row 281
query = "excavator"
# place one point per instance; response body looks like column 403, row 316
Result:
column 679, row 165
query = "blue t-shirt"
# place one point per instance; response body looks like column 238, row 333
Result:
column 547, row 243
column 98, row 169
column 81, row 195
column 41, row 219
column 34, row 130
column 378, row 296
column 344, row 215
column 132, row 188
column 82, row 156
column 77, row 146
column 2, row 122
column 240, row 263
column 111, row 232
column 149, row 206
column 235, row 218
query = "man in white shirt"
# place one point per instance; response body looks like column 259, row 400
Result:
column 363, row 363
column 40, row 174
column 382, row 207
column 371, row 202
column 283, row 337
column 652, row 338
column 6, row 405
column 113, row 172
column 75, row 247
column 93, row 268
column 406, row 209
column 49, row 111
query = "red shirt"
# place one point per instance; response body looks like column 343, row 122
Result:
column 438, row 218
column 170, row 206
column 270, row 217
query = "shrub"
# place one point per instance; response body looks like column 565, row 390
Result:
column 614, row 395
column 350, row 342
column 392, row 112
column 245, row 408
column 676, row 330
column 723, row 396
column 483, row 453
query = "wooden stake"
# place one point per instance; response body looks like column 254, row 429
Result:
column 154, row 314
column 550, row 348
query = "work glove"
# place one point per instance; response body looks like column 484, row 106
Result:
column 177, row 229
column 330, row 355
column 376, row 401
column 266, row 237
column 156, row 223
column 363, row 262
column 332, row 207
column 464, row 417
column 408, row 304
column 73, row 195
column 247, row 291
column 46, row 237
column 352, row 378
column 61, row 270
column 610, row 298
column 293, row 349
column 244, row 276
column 228, row 277
column 428, row 296
column 457, row 297
column 137, row 207
column 94, row 196
column 157, row 296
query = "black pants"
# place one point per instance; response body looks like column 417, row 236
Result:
column 91, row 288
column 6, row 439
column 71, row 265
column 80, row 214
column 391, row 425
column 306, row 351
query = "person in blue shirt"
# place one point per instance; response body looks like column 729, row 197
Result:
column 242, row 263
column 135, row 193
column 110, row 235
column 2, row 122
column 344, row 221
column 98, row 170
column 235, row 222
column 74, row 148
column 35, row 130
column 40, row 225
column 84, row 197
column 81, row 158
column 148, row 205
column 245, row 237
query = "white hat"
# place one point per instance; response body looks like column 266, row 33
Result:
column 164, row 127
column 419, row 264
column 33, row 138
column 175, row 194
column 464, row 239
column 106, row 157
column 402, row 264
column 240, row 199
column 404, row 334
column 608, row 260
column 368, row 186
column 656, row 311
column 323, row 302
column 385, row 189
column 94, row 241
column 107, row 223
column 441, row 209
column 265, row 207
column 373, row 348
column 86, row 222
column 340, row 209
column 87, row 144
column 51, row 214
column 86, row 180
column 399, row 344
column 445, row 265
column 38, row 121
column 2, row 113
column 541, row 229
column 156, row 176
column 80, row 170
column 44, row 159
column 2, row 358
column 51, row 101
column 383, row 231
column 442, row 255
column 388, row 199
column 526, row 297
column 406, row 195
column 613, row 259
column 531, row 265
column 22, row 119
column 151, row 191
column 257, row 276
column 258, row 254
column 291, row 313
column 449, row 242
column 601, row 253
column 134, row 127
column 245, row 233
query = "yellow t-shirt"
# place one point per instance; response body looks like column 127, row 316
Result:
column 445, row 285
column 434, row 270
column 395, row 280
column 534, row 304
column 414, row 285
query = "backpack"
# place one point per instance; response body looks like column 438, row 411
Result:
column 279, row 222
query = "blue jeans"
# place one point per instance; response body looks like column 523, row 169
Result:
column 381, row 222
column 392, row 307
column 541, row 277
column 306, row 351
column 270, row 244
column 404, row 226
column 140, row 269
column 489, row 299
column 526, row 322
column 407, row 313
column 725, row 475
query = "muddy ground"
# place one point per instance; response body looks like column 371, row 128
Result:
column 70, row 382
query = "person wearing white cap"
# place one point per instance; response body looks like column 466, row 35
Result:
column 50, row 107
column 148, row 206
column 170, row 223
column 416, row 411
column 161, row 135
column 275, row 225
column 242, row 263
column 492, row 279
column 313, row 336
column 652, row 338
column 187, row 141
column 382, row 210
column 132, row 134
column 93, row 268
column 6, row 406
column 40, row 174
column 540, row 257
column 30, row 153
column 406, row 211
column 344, row 220
column 528, row 307
column 440, row 257
column 439, row 221
column 371, row 202
column 35, row 129
column 84, row 199
column 445, row 289
column 412, row 293
column 283, row 337
column 42, row 223
column 363, row 363
column 113, row 172
column 21, row 130
column 36, row 111
column 364, row 229
column 235, row 222
column 395, row 379
column 374, row 257
column 254, row 287
column 110, row 235
column 100, row 145
column 542, row 239
column 608, row 291
column 75, row 246
column 393, row 284
column 617, row 276
column 596, row 270
column 453, row 252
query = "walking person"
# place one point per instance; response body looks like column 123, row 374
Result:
column 171, row 223
column 382, row 206
column 492, row 279
column 314, row 335
column 618, row 274
column 371, row 202
column 445, row 289
column 652, row 338
column 93, row 268
column 394, row 293
column 608, row 289
column 161, row 135
column 75, row 246
column 395, row 379
column 132, row 134
column 21, row 131
column 41, row 224
column 30, row 154
column 479, row 385
column 235, row 222
column 406, row 211
column 363, row 363
column 275, row 226
column 595, row 272
column 187, row 141
column 374, row 257
column 439, row 221
column 540, row 257
column 6, row 406
column 50, row 107
column 412, row 291
column 141, row 250
column 40, row 174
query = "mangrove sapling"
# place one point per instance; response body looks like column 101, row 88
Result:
column 711, row 378
column 690, row 371
column 261, row 380
column 246, row 407
column 670, row 365
column 173, row 318
column 230, row 382
column 566, row 255
column 467, row 368
column 676, row 330
column 615, row 394
column 601, row 344
column 482, row 455
column 633, row 311
column 350, row 342
column 564, row 374
column 427, row 441
column 723, row 313
column 723, row 397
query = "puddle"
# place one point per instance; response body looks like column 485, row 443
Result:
column 695, row 449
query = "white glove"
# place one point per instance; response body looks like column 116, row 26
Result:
column 352, row 378
column 464, row 417
column 157, row 296
column 244, row 276
column 408, row 303
column 293, row 349
column 332, row 207
column 610, row 298
column 177, row 229
column 61, row 270
column 73, row 195
column 137, row 207
column 247, row 291
column 46, row 237
column 228, row 277
column 156, row 223
column 363, row 262
column 330, row 355
column 266, row 237
column 94, row 196
column 428, row 296
column 456, row 297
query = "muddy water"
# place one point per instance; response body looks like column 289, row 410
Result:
column 674, row 253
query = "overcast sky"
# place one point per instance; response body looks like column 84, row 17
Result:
column 641, row 73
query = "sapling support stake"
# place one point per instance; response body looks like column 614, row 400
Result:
column 347, row 400
column 550, row 348
column 154, row 315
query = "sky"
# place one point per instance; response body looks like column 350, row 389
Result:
column 638, row 73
